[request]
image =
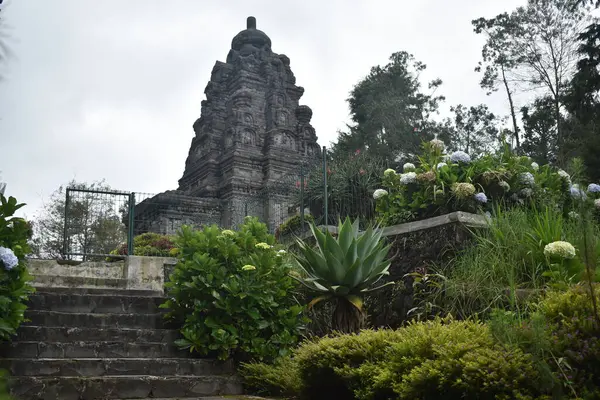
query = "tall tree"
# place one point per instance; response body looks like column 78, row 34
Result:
column 93, row 224
column 498, row 62
column 540, row 41
column 389, row 110
column 539, row 121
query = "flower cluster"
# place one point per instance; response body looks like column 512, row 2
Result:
column 438, row 145
column 389, row 172
column 379, row 193
column 564, row 175
column 441, row 165
column 504, row 185
column 463, row 190
column 262, row 245
column 8, row 258
column 560, row 249
column 428, row 176
column 535, row 166
column 408, row 167
column 593, row 188
column 227, row 232
column 460, row 156
column 597, row 203
column 577, row 193
column 481, row 197
column 409, row 177
column 248, row 267
column 527, row 179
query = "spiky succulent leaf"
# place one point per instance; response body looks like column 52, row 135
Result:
column 345, row 265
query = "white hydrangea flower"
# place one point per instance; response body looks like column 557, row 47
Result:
column 441, row 165
column 460, row 156
column 564, row 175
column 8, row 258
column 409, row 177
column 408, row 167
column 527, row 178
column 227, row 232
column 573, row 215
column 379, row 193
column 438, row 144
column 560, row 249
column 535, row 166
column 597, row 203
column 281, row 252
column 262, row 245
column 389, row 172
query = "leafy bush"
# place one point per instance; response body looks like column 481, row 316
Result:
column 231, row 291
column 439, row 359
column 149, row 244
column 574, row 330
column 278, row 379
column 443, row 183
column 14, row 278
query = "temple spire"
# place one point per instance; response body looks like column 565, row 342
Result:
column 251, row 23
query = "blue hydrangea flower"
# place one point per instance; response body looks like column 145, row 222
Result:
column 8, row 258
column 481, row 197
column 594, row 188
column 577, row 193
column 527, row 179
column 460, row 156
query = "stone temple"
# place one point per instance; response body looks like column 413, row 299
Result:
column 251, row 133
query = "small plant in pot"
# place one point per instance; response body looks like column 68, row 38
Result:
column 344, row 268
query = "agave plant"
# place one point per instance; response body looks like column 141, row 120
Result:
column 344, row 269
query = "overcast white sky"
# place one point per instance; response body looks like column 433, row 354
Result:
column 110, row 89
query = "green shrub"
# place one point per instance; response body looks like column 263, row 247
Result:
column 149, row 244
column 14, row 278
column 278, row 379
column 231, row 291
column 574, row 331
column 440, row 359
column 322, row 363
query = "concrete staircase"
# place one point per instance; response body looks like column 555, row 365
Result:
column 95, row 343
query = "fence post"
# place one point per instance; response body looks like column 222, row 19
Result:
column 65, row 245
column 302, row 197
column 325, row 196
column 130, row 226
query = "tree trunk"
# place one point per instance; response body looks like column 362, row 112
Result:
column 512, row 109
column 346, row 317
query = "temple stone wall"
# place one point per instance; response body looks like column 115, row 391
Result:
column 252, row 131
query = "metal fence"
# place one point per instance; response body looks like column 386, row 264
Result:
column 100, row 224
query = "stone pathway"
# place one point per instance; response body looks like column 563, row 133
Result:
column 92, row 344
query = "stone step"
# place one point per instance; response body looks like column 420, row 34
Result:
column 94, row 303
column 116, row 366
column 78, row 282
column 36, row 349
column 66, row 334
column 99, row 291
column 122, row 387
column 96, row 320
